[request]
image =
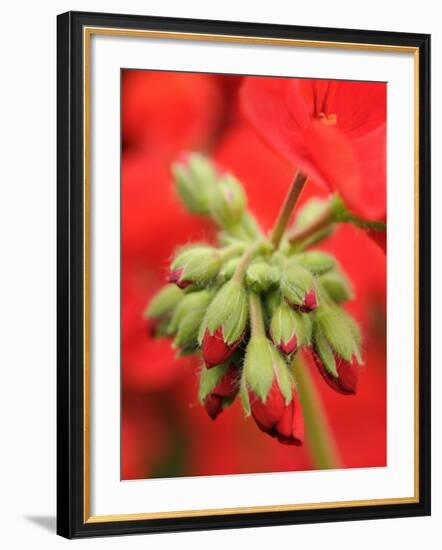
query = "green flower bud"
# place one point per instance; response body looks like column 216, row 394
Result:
column 229, row 268
column 316, row 261
column 228, row 202
column 308, row 329
column 263, row 365
column 260, row 276
column 197, row 264
column 164, row 301
column 209, row 379
column 336, row 349
column 188, row 328
column 340, row 331
column 356, row 334
column 224, row 323
column 325, row 352
column 298, row 287
column 287, row 329
column 337, row 286
column 195, row 183
column 189, row 304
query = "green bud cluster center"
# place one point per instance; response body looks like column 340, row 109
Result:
column 265, row 304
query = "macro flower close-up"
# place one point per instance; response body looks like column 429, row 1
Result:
column 253, row 274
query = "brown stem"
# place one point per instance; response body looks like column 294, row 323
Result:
column 322, row 222
column 287, row 208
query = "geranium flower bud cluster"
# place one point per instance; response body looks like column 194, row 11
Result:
column 247, row 309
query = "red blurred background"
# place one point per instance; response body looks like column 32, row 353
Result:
column 165, row 432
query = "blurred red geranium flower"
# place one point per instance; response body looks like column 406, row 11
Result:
column 332, row 130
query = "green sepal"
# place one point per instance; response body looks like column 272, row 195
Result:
column 282, row 323
column 285, row 323
column 260, row 276
column 307, row 320
column 195, row 183
column 200, row 264
column 295, row 282
column 259, row 366
column 337, row 286
column 271, row 301
column 283, row 377
column 209, row 379
column 262, row 364
column 335, row 327
column 325, row 352
column 244, row 395
column 228, row 269
column 164, row 301
column 316, row 262
column 228, row 202
column 229, row 309
column 190, row 303
column 188, row 327
column 357, row 338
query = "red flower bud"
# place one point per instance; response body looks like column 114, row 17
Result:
column 227, row 388
column 175, row 277
column 286, row 347
column 285, row 422
column 215, row 350
column 348, row 374
column 309, row 303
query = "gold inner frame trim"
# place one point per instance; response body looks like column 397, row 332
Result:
column 87, row 33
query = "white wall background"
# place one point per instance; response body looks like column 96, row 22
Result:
column 28, row 278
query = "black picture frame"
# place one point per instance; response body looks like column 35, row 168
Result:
column 71, row 521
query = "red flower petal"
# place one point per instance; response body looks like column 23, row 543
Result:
column 333, row 131
column 348, row 375
column 267, row 414
column 175, row 277
column 215, row 350
column 379, row 237
column 334, row 157
column 360, row 106
column 290, row 428
column 277, row 110
column 213, row 405
column 371, row 152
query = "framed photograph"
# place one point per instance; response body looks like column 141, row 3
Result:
column 243, row 274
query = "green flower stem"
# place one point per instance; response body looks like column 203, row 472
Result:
column 287, row 208
column 256, row 315
column 319, row 436
column 366, row 224
column 246, row 258
column 231, row 250
column 296, row 236
column 334, row 212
